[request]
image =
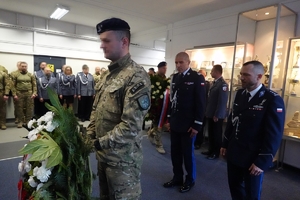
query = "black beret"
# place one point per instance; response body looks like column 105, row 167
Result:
column 162, row 64
column 112, row 24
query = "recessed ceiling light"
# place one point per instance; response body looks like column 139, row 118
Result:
column 267, row 13
column 59, row 12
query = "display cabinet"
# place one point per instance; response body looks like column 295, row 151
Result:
column 291, row 139
column 204, row 57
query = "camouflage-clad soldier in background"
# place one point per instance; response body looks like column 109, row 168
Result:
column 3, row 69
column 97, row 75
column 5, row 84
column 12, row 77
column 24, row 91
column 121, row 103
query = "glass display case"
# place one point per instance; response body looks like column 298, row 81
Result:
column 204, row 57
column 292, row 90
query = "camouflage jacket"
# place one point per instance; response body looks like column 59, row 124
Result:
column 23, row 82
column 121, row 103
column 5, row 83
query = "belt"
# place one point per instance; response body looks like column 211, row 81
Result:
column 23, row 90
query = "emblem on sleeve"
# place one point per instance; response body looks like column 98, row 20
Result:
column 279, row 110
column 144, row 102
column 224, row 88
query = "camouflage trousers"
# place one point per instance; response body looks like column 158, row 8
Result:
column 119, row 182
column 155, row 133
column 24, row 106
column 2, row 109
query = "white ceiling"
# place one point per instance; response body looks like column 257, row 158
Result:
column 140, row 14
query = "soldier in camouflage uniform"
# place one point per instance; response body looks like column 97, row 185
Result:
column 97, row 75
column 24, row 91
column 12, row 76
column 4, row 93
column 121, row 103
column 3, row 69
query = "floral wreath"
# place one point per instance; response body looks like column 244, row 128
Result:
column 55, row 164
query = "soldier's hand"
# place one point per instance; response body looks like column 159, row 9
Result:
column 33, row 96
column 93, row 96
column 41, row 99
column 79, row 97
column 5, row 97
column 75, row 96
column 60, row 96
column 223, row 151
column 193, row 132
column 215, row 119
column 16, row 97
column 255, row 171
column 167, row 125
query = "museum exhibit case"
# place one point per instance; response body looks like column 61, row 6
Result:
column 290, row 147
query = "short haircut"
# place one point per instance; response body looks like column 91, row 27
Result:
column 161, row 64
column 85, row 66
column 257, row 66
column 22, row 63
column 42, row 62
column 151, row 69
column 123, row 33
column 218, row 68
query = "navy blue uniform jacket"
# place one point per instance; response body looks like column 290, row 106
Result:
column 189, row 107
column 254, row 130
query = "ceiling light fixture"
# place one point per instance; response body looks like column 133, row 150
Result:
column 59, row 12
column 267, row 13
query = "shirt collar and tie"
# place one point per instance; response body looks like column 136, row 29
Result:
column 253, row 92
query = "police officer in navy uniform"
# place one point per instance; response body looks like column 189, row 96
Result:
column 185, row 120
column 253, row 133
column 216, row 112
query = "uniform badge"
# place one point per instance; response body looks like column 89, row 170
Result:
column 144, row 102
column 135, row 88
column 261, row 93
column 279, row 110
column 224, row 88
column 202, row 84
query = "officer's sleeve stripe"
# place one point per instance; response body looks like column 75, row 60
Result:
column 266, row 154
column 197, row 122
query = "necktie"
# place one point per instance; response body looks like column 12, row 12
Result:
column 246, row 97
column 179, row 78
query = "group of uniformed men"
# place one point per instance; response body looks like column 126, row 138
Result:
column 29, row 91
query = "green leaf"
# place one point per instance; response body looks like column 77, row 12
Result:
column 42, row 153
column 31, row 147
column 55, row 158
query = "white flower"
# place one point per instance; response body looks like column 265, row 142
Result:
column 32, row 134
column 30, row 123
column 48, row 116
column 21, row 166
column 32, row 182
column 152, row 86
column 42, row 173
column 161, row 96
column 40, row 120
column 153, row 97
column 27, row 166
column 39, row 186
column 168, row 87
column 159, row 87
column 51, row 126
column 157, row 83
column 157, row 91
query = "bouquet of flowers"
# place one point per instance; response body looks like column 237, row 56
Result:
column 55, row 164
column 158, row 89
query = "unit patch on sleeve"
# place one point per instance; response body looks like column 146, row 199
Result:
column 144, row 102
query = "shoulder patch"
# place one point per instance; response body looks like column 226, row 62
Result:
column 137, row 86
column 144, row 102
column 225, row 88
